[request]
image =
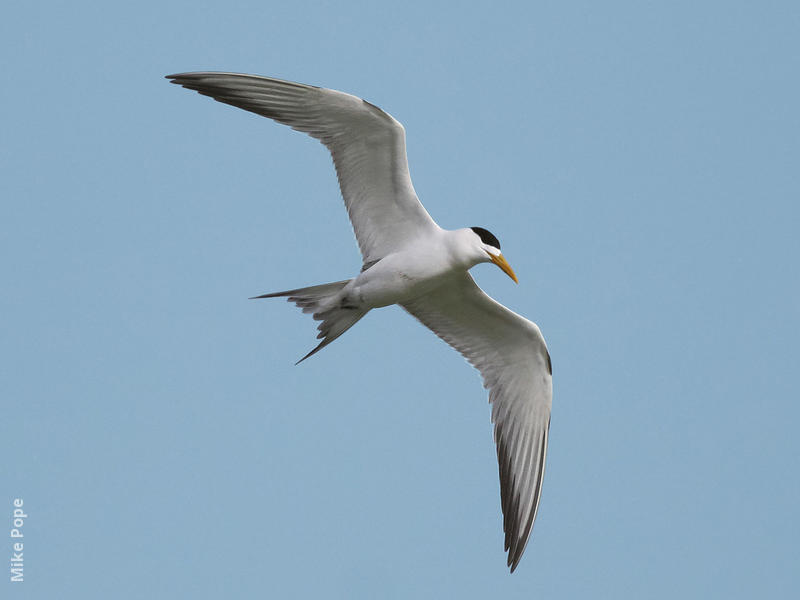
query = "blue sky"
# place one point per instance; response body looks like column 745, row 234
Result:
column 638, row 161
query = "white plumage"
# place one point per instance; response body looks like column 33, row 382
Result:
column 409, row 260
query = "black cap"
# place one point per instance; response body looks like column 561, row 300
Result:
column 486, row 237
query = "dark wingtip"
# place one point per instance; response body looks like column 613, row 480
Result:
column 183, row 79
column 514, row 557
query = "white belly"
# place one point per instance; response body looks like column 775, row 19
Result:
column 398, row 278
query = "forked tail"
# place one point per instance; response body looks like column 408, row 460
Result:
column 322, row 302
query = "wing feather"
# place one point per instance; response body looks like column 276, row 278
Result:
column 368, row 147
column 511, row 355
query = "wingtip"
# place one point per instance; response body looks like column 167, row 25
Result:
column 182, row 78
column 514, row 558
column 513, row 562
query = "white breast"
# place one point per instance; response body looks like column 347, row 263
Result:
column 405, row 275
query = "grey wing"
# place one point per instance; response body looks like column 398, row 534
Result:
column 368, row 147
column 511, row 355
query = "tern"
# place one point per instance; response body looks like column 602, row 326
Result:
column 410, row 261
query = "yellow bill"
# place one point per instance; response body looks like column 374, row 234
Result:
column 501, row 262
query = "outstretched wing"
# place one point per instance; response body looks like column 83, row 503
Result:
column 368, row 147
column 510, row 353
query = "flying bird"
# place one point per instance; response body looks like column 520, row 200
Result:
column 410, row 261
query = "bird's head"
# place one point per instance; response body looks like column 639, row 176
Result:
column 490, row 250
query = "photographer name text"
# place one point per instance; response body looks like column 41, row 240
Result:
column 18, row 517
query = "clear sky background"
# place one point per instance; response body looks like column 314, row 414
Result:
column 640, row 163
